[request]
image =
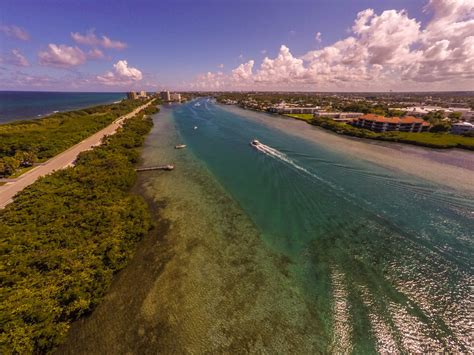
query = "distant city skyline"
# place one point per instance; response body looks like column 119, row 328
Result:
column 366, row 45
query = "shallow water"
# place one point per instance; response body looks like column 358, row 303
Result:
column 300, row 247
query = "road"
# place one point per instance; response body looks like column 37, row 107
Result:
column 61, row 160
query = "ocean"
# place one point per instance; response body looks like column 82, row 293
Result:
column 312, row 243
column 19, row 105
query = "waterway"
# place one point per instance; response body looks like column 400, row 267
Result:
column 314, row 243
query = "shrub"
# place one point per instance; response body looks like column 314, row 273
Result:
column 64, row 237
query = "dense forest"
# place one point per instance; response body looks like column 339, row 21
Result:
column 64, row 237
column 23, row 143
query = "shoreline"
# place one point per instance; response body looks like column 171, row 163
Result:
column 189, row 298
column 63, row 159
column 435, row 165
column 88, row 280
column 179, row 292
column 387, row 139
column 6, row 119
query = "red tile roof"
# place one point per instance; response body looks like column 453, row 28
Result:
column 394, row 120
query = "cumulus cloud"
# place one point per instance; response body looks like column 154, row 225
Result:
column 15, row 32
column 90, row 39
column 243, row 71
column 122, row 74
column 283, row 68
column 389, row 48
column 61, row 56
column 16, row 58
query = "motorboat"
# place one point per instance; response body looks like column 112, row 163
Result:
column 255, row 143
column 197, row 104
column 180, row 146
column 195, row 127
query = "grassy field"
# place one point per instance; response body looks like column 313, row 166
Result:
column 301, row 116
column 434, row 140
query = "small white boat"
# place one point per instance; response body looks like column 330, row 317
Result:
column 180, row 146
column 195, row 127
column 197, row 104
column 255, row 143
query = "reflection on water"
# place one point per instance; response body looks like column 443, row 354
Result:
column 294, row 248
column 382, row 259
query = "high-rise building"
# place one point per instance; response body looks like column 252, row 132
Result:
column 165, row 96
column 175, row 97
column 132, row 95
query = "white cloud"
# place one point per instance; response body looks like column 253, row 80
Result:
column 16, row 58
column 243, row 71
column 387, row 50
column 318, row 37
column 283, row 68
column 90, row 39
column 95, row 54
column 121, row 75
column 15, row 32
column 387, row 37
column 61, row 56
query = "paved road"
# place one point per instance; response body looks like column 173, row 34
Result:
column 60, row 161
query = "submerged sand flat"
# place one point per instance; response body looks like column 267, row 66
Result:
column 260, row 254
column 203, row 281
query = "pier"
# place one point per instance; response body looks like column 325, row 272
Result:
column 159, row 167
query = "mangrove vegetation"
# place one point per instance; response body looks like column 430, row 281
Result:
column 24, row 143
column 65, row 236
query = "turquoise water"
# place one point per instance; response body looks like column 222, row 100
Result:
column 18, row 105
column 383, row 259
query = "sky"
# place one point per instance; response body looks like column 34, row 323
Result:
column 290, row 45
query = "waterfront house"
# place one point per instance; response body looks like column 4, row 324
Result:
column 385, row 124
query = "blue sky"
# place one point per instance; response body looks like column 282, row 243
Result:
column 171, row 43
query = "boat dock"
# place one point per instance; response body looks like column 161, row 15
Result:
column 159, row 167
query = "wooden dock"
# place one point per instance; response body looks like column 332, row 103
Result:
column 159, row 167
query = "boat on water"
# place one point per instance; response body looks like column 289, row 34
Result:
column 197, row 104
column 168, row 167
column 180, row 146
column 255, row 143
column 195, row 127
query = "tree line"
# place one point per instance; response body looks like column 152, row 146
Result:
column 24, row 143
